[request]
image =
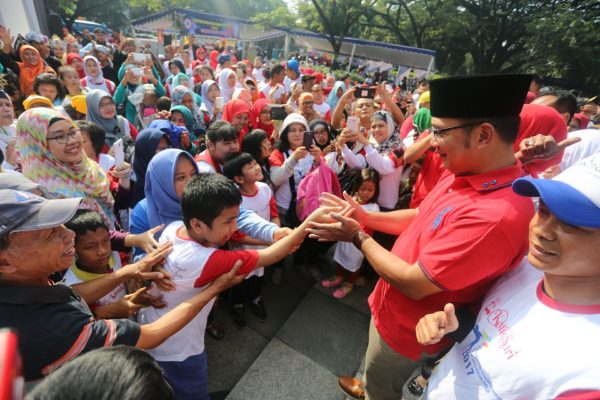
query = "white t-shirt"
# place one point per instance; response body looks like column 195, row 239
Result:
column 193, row 267
column 263, row 205
column 322, row 108
column 278, row 93
column 524, row 345
column 346, row 254
column 257, row 73
column 287, row 82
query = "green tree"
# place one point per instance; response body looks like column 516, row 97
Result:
column 334, row 19
column 110, row 12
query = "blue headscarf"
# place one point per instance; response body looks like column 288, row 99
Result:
column 173, row 132
column 145, row 149
column 332, row 99
column 163, row 204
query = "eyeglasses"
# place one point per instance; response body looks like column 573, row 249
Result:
column 107, row 104
column 64, row 137
column 438, row 133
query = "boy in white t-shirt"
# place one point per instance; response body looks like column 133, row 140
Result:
column 257, row 196
column 210, row 206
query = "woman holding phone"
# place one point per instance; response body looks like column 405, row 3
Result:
column 289, row 163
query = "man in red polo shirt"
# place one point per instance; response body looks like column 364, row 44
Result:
column 469, row 230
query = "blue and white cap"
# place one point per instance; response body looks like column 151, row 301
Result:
column 573, row 196
column 23, row 211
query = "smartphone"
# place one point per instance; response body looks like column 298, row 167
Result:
column 308, row 139
column 139, row 58
column 388, row 87
column 219, row 102
column 364, row 92
column 278, row 113
column 119, row 153
column 137, row 71
column 239, row 73
column 353, row 124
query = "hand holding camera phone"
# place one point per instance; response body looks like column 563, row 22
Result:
column 308, row 140
column 364, row 92
column 278, row 112
column 353, row 124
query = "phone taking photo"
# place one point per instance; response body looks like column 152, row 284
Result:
column 364, row 92
column 119, row 153
column 308, row 141
column 139, row 58
column 353, row 124
column 278, row 113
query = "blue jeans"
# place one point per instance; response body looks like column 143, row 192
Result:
column 189, row 378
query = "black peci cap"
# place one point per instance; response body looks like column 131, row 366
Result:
column 479, row 96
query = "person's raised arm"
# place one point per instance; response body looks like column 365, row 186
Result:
column 152, row 335
column 336, row 118
column 416, row 151
column 389, row 103
column 391, row 222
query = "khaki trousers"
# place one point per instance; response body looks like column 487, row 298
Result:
column 386, row 371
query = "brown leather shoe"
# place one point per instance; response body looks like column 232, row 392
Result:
column 353, row 387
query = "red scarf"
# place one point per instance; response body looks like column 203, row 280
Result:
column 233, row 108
column 255, row 123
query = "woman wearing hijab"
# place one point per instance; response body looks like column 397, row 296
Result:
column 384, row 156
column 149, row 143
column 130, row 92
column 74, row 60
column 167, row 174
column 183, row 96
column 52, row 155
column 227, row 83
column 306, row 107
column 30, row 66
column 535, row 119
column 94, row 78
column 101, row 110
column 8, row 131
column 237, row 113
column 323, row 134
column 260, row 118
column 182, row 117
column 335, row 94
column 214, row 59
column 210, row 91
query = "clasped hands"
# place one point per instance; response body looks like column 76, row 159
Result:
column 336, row 220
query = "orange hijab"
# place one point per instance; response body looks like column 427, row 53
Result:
column 28, row 72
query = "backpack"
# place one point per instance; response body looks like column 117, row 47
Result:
column 318, row 181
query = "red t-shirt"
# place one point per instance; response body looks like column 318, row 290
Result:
column 468, row 232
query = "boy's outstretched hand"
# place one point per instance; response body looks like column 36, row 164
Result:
column 432, row 327
column 142, row 270
column 144, row 241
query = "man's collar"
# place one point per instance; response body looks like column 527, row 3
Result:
column 492, row 180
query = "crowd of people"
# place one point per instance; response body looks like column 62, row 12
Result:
column 136, row 187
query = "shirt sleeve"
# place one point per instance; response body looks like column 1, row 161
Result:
column 221, row 262
column 97, row 334
column 354, row 161
column 255, row 227
column 464, row 253
column 382, row 164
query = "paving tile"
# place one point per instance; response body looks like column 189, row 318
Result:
column 282, row 373
column 328, row 332
column 229, row 358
